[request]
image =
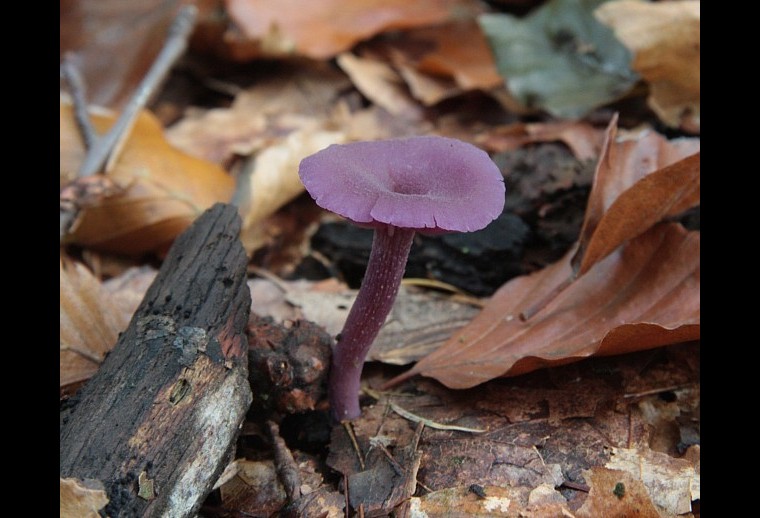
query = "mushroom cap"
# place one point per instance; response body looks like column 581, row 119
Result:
column 431, row 184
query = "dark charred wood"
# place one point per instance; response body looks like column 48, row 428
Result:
column 166, row 405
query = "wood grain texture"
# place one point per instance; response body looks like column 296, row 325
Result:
column 166, row 405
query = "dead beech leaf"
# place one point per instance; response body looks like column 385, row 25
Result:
column 633, row 189
column 322, row 29
column 275, row 105
column 380, row 83
column 274, row 179
column 666, row 192
column 77, row 500
column 664, row 38
column 583, row 139
column 90, row 322
column 255, row 488
column 160, row 189
column 499, row 501
column 672, row 483
column 616, row 493
column 435, row 64
column 643, row 295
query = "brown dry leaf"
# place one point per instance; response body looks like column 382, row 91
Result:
column 322, row 29
column 79, row 500
column 159, row 190
column 436, row 65
column 638, row 182
column 643, row 295
column 616, row 493
column 664, row 38
column 542, row 430
column 274, row 180
column 114, row 43
column 375, row 123
column 276, row 123
column 499, row 501
column 380, row 83
column 419, row 322
column 672, row 483
column 583, row 139
column 255, row 488
column 296, row 97
column 91, row 320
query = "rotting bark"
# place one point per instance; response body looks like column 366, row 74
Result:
column 166, row 405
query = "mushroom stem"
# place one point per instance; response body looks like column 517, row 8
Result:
column 387, row 262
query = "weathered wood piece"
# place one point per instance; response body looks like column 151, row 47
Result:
column 158, row 422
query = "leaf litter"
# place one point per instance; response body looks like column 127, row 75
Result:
column 157, row 190
column 550, row 434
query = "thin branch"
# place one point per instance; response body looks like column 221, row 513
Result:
column 285, row 464
column 79, row 99
column 431, row 424
column 352, row 436
column 102, row 156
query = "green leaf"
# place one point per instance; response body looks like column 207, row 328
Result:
column 560, row 58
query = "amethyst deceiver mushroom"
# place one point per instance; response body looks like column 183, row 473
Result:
column 398, row 187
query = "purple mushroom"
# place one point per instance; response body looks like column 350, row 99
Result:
column 398, row 187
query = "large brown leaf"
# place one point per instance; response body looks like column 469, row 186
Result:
column 91, row 320
column 643, row 295
column 157, row 190
column 638, row 182
column 321, row 29
column 434, row 63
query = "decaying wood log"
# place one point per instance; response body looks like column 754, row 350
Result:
column 158, row 422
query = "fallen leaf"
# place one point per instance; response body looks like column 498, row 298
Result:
column 90, row 322
column 643, row 295
column 664, row 38
column 114, row 43
column 128, row 288
column 419, row 322
column 499, row 501
column 255, row 488
column 274, row 180
column 435, row 64
column 158, row 191
column 560, row 58
column 81, row 499
column 297, row 96
column 323, row 29
column 638, row 182
column 616, row 493
column 543, row 429
column 380, row 83
column 583, row 139
column 672, row 483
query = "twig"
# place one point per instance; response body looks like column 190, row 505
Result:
column 660, row 390
column 79, row 99
column 398, row 468
column 106, row 149
column 576, row 486
column 432, row 424
column 351, row 435
column 285, row 464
